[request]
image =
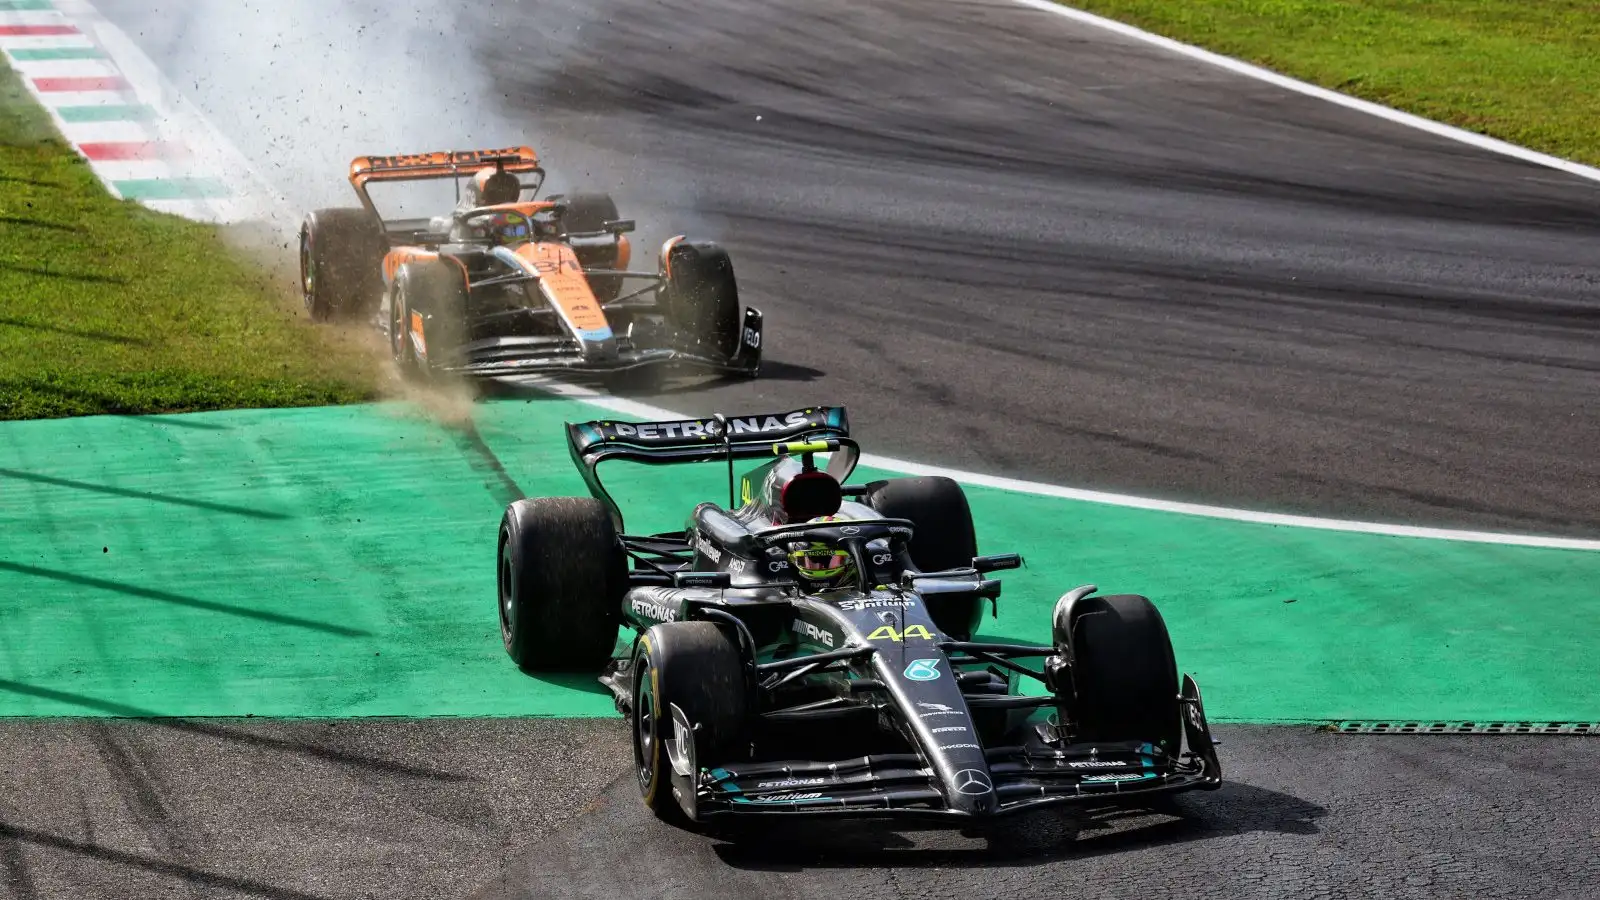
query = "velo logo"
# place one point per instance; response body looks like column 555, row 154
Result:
column 923, row 670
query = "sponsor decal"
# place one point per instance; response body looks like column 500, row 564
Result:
column 923, row 670
column 808, row 630
column 950, row 728
column 777, row 565
column 964, row 747
column 752, row 337
column 705, row 548
column 736, row 565
column 861, row 603
column 787, row 798
column 972, row 783
column 937, row 709
column 1109, row 778
column 882, row 559
column 790, row 783
column 658, row 611
column 1095, row 764
column 764, row 424
column 888, row 633
column 850, row 529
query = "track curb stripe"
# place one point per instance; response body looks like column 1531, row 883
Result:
column 110, row 103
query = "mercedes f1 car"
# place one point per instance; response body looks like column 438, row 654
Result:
column 507, row 284
column 810, row 648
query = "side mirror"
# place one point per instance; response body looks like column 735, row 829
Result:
column 997, row 563
column 620, row 226
column 702, row 579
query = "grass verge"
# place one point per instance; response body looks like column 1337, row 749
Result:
column 109, row 307
column 1516, row 70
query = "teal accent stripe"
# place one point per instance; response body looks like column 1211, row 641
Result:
column 171, row 189
column 113, row 113
column 51, row 53
column 20, row 5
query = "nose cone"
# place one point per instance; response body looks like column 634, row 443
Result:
column 971, row 790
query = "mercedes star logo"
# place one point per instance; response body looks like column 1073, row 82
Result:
column 972, row 782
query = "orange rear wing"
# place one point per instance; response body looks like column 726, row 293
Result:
column 443, row 164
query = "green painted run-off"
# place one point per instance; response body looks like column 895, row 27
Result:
column 24, row 5
column 339, row 562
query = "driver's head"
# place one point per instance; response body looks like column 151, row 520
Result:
column 821, row 565
column 491, row 186
column 509, row 227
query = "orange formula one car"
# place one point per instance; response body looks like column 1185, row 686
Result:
column 507, row 284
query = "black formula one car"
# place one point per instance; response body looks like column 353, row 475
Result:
column 509, row 285
column 810, row 648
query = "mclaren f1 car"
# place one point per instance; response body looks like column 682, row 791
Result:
column 507, row 284
column 811, row 649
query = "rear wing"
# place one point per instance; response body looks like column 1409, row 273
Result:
column 812, row 429
column 441, row 164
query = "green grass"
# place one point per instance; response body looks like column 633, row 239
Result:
column 109, row 307
column 1524, row 71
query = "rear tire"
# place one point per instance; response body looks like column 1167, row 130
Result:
column 1124, row 673
column 697, row 666
column 436, row 290
column 562, row 574
column 341, row 264
column 701, row 297
column 943, row 538
column 589, row 213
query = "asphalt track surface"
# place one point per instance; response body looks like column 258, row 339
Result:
column 1013, row 244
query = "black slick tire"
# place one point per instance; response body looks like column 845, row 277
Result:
column 698, row 667
column 561, row 577
column 943, row 538
column 1124, row 672
column 433, row 291
column 341, row 264
column 586, row 213
column 701, row 297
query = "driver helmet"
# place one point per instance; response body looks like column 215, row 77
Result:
column 491, row 187
column 819, row 564
column 509, row 227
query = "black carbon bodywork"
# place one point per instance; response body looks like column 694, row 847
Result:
column 858, row 703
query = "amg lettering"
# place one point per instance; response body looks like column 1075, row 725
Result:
column 808, row 630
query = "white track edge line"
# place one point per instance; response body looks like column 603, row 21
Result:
column 627, row 407
column 630, row 407
column 1439, row 129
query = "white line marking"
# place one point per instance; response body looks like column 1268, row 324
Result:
column 634, row 408
column 1383, row 112
column 149, row 82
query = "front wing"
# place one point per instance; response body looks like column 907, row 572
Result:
column 505, row 356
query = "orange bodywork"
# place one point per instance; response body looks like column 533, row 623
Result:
column 394, row 259
column 442, row 164
column 561, row 276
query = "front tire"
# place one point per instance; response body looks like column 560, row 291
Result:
column 562, row 574
column 341, row 260
column 432, row 294
column 1124, row 673
column 697, row 667
column 701, row 297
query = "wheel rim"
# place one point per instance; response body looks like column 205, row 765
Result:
column 507, row 594
column 308, row 272
column 644, row 723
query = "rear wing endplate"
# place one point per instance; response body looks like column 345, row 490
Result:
column 812, row 429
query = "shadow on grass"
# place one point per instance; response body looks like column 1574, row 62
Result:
column 31, row 182
column 131, row 590
column 70, row 276
column 38, row 223
column 211, row 729
column 76, row 332
column 144, row 495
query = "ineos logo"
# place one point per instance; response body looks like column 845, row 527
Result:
column 972, row 783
